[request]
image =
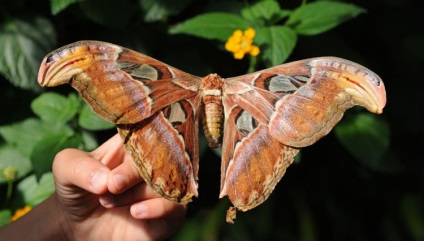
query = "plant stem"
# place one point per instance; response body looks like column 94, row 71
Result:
column 252, row 64
column 8, row 192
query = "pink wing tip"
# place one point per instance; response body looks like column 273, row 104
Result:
column 380, row 92
column 382, row 96
column 42, row 71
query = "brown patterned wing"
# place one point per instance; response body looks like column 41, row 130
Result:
column 271, row 113
column 252, row 160
column 165, row 148
column 153, row 105
column 302, row 101
column 120, row 85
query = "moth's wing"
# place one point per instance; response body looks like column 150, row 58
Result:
column 120, row 85
column 252, row 160
column 271, row 113
column 165, row 148
column 302, row 101
column 153, row 105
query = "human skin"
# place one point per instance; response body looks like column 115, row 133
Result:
column 99, row 195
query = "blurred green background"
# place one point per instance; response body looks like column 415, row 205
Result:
column 362, row 182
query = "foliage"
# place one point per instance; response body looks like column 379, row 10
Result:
column 339, row 188
column 277, row 28
column 30, row 146
column 24, row 41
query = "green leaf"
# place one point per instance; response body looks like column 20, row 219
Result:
column 91, row 121
column 276, row 42
column 366, row 136
column 89, row 140
column 47, row 147
column 317, row 17
column 57, row 6
column 412, row 216
column 23, row 135
column 54, row 107
column 218, row 26
column 33, row 192
column 44, row 189
column 264, row 12
column 116, row 14
column 159, row 9
column 5, row 215
column 11, row 158
column 23, row 44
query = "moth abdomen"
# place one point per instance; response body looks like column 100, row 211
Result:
column 213, row 111
column 213, row 118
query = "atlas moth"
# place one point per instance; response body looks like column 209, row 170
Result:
column 261, row 119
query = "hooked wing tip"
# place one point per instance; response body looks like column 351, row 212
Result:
column 42, row 72
column 381, row 98
column 365, row 86
column 376, row 92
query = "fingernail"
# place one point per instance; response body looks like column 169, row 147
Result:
column 120, row 181
column 99, row 181
column 140, row 210
column 107, row 200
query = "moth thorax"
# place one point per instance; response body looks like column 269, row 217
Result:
column 212, row 119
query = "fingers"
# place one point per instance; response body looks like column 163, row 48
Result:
column 156, row 208
column 125, row 172
column 73, row 167
column 127, row 187
column 145, row 203
column 124, row 183
column 110, row 173
column 90, row 171
column 139, row 192
column 124, row 177
column 111, row 153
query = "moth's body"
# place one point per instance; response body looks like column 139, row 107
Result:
column 213, row 113
column 261, row 119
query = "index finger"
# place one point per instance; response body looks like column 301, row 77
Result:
column 112, row 152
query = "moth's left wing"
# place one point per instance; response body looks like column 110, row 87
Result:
column 121, row 85
column 165, row 149
column 271, row 113
column 153, row 105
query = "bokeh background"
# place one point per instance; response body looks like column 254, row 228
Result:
column 328, row 193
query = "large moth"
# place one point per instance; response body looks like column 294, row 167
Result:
column 261, row 119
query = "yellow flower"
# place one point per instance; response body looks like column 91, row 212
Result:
column 9, row 173
column 20, row 212
column 241, row 43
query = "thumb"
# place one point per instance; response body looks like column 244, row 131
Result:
column 74, row 168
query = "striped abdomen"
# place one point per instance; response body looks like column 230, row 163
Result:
column 213, row 112
column 213, row 118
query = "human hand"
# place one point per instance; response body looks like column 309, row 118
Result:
column 128, row 208
column 100, row 195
